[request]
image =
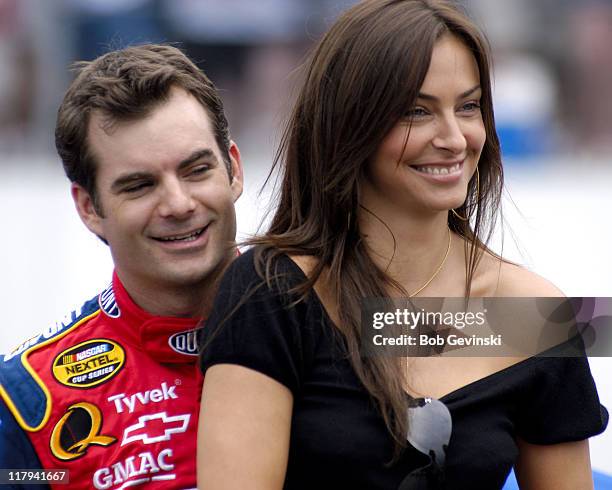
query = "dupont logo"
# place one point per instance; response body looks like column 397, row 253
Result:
column 89, row 363
column 184, row 342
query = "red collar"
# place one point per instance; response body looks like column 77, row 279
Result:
column 167, row 339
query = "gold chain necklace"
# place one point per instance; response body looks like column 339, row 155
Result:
column 437, row 270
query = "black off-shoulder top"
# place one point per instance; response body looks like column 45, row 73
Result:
column 339, row 439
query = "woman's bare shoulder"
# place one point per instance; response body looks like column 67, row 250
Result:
column 501, row 278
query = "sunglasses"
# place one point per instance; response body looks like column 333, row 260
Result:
column 429, row 431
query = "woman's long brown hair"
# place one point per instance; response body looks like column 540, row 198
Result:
column 360, row 80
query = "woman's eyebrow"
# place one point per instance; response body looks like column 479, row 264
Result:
column 467, row 93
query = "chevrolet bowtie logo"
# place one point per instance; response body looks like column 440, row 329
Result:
column 156, row 427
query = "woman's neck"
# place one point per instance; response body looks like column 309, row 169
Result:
column 410, row 249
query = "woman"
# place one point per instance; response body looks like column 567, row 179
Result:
column 391, row 180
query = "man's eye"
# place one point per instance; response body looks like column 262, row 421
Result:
column 199, row 170
column 132, row 189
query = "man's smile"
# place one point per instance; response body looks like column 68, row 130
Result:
column 189, row 236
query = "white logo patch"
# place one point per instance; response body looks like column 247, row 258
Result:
column 156, row 395
column 135, row 470
column 108, row 303
column 155, row 428
column 184, row 343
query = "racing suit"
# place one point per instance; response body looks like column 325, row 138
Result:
column 111, row 395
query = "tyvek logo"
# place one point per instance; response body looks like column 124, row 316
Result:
column 130, row 401
column 155, row 428
column 184, row 343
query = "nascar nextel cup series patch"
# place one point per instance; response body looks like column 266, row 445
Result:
column 89, row 363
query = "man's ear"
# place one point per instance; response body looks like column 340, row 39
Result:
column 87, row 211
column 237, row 172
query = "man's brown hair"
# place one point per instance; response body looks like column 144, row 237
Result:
column 126, row 85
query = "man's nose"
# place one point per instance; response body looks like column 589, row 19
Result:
column 177, row 200
column 450, row 135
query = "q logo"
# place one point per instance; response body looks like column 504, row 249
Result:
column 78, row 428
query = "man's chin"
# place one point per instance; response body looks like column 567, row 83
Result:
column 197, row 275
column 193, row 277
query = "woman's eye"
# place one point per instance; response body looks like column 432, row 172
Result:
column 417, row 112
column 471, row 107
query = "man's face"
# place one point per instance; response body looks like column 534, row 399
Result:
column 165, row 199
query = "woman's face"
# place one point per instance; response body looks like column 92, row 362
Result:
column 430, row 171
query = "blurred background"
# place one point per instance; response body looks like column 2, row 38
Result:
column 553, row 100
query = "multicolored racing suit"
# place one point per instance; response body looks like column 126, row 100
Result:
column 111, row 395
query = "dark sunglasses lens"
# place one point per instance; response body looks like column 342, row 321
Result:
column 429, row 427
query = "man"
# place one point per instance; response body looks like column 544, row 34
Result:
column 113, row 394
